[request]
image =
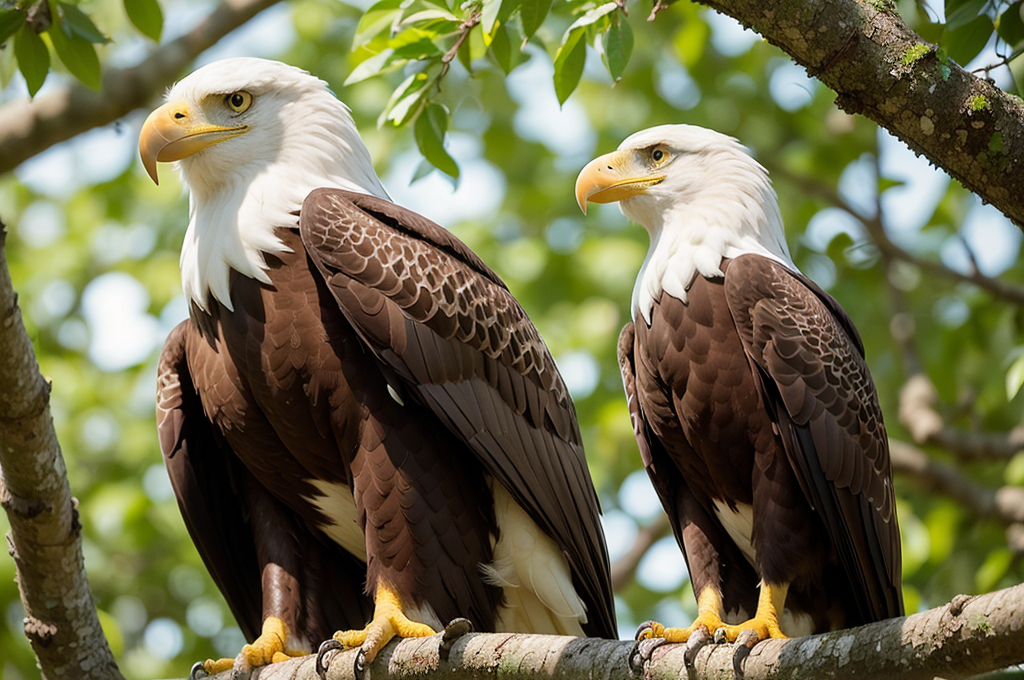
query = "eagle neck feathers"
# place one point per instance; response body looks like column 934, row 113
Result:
column 730, row 210
column 235, row 211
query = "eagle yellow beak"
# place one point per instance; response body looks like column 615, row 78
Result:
column 611, row 178
column 171, row 133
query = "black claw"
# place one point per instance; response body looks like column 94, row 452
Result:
column 745, row 642
column 198, row 671
column 359, row 667
column 719, row 636
column 698, row 640
column 644, row 627
column 642, row 653
column 455, row 629
column 321, row 659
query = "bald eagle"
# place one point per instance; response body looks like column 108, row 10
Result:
column 359, row 420
column 752, row 405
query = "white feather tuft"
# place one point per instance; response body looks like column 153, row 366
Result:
column 534, row 574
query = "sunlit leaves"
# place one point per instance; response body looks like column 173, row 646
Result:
column 71, row 32
column 33, row 58
column 430, row 130
column 967, row 40
column 146, row 16
column 77, row 54
column 11, row 19
column 571, row 55
column 406, row 101
column 618, row 46
column 569, row 61
column 532, row 14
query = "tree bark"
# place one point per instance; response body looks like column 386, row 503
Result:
column 28, row 127
column 968, row 636
column 45, row 541
column 881, row 69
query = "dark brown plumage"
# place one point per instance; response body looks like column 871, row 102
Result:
column 359, row 420
column 752, row 404
column 756, row 393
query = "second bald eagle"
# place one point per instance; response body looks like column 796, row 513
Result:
column 752, row 405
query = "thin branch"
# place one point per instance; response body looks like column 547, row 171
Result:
column 28, row 127
column 971, row 635
column 648, row 535
column 1004, row 505
column 45, row 537
column 888, row 249
column 918, row 398
column 883, row 70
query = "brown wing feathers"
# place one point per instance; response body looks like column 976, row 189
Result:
column 437, row 316
column 813, row 375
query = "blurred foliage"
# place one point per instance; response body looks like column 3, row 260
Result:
column 94, row 248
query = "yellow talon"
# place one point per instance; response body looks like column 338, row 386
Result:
column 269, row 647
column 766, row 620
column 709, row 615
column 388, row 621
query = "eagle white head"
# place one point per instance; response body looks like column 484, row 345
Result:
column 251, row 138
column 700, row 196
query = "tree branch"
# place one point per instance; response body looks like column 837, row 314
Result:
column 1004, row 505
column 646, row 536
column 888, row 249
column 45, row 541
column 28, row 127
column 881, row 69
column 926, row 425
column 971, row 635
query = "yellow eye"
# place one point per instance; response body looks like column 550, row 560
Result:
column 658, row 155
column 239, row 102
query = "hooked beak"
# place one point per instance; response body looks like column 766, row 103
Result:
column 611, row 178
column 171, row 133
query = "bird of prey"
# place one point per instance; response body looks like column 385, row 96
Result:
column 752, row 405
column 359, row 421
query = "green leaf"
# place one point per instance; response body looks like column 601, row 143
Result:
column 618, row 46
column 379, row 17
column 406, row 100
column 146, row 16
column 532, row 14
column 415, row 43
column 77, row 23
column 962, row 12
column 370, row 67
column 430, row 130
column 966, row 42
column 78, row 56
column 10, row 21
column 1010, row 25
column 502, row 50
column 569, row 60
column 33, row 58
column 489, row 15
column 1015, row 375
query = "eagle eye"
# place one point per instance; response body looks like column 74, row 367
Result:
column 658, row 155
column 239, row 102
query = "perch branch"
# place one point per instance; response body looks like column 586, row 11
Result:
column 971, row 635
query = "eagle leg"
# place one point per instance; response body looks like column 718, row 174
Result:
column 765, row 623
column 709, row 618
column 268, row 648
column 388, row 621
